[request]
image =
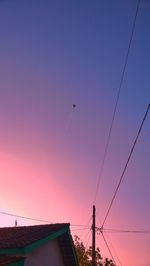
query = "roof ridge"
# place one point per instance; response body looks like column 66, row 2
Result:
column 36, row 225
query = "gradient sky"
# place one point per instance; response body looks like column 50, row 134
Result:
column 53, row 54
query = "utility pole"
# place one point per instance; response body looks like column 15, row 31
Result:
column 93, row 239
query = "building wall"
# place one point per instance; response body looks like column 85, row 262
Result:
column 46, row 255
column 19, row 263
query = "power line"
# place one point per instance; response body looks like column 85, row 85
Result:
column 88, row 238
column 126, row 231
column 39, row 220
column 82, row 225
column 87, row 224
column 114, row 250
column 25, row 217
column 116, row 102
column 109, row 249
column 126, row 165
column 80, row 229
column 97, row 215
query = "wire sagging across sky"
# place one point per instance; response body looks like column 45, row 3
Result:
column 126, row 231
column 126, row 165
column 113, row 249
column 41, row 220
column 110, row 252
column 24, row 217
column 116, row 102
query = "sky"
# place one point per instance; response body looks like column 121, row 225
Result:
column 54, row 54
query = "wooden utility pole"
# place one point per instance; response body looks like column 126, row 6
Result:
column 93, row 239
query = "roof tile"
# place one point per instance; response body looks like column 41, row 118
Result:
column 19, row 237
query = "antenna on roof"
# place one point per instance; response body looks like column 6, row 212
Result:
column 16, row 224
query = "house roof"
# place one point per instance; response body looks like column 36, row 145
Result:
column 7, row 260
column 22, row 236
column 23, row 239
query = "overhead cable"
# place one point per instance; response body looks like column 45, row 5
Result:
column 116, row 102
column 126, row 231
column 38, row 220
column 87, row 225
column 88, row 239
column 106, row 243
column 126, row 165
column 25, row 217
column 114, row 250
column 80, row 229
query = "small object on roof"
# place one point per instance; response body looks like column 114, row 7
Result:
column 16, row 224
column 74, row 105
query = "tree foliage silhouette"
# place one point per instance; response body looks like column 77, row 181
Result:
column 84, row 255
